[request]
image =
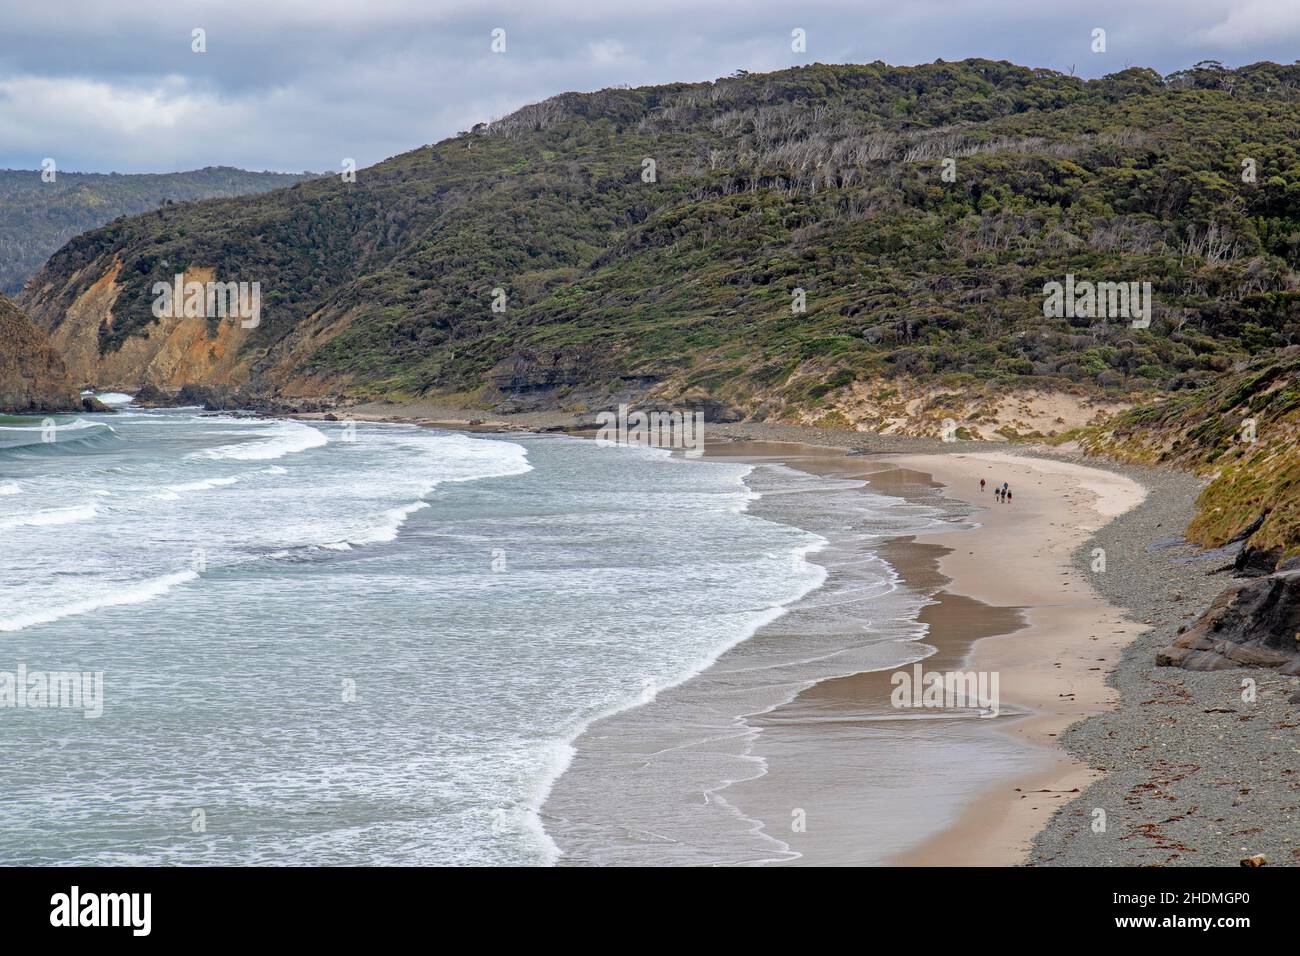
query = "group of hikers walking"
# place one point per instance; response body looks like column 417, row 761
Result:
column 1002, row 493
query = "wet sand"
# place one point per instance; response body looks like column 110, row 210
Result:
column 1055, row 666
column 865, row 779
column 834, row 759
column 1006, row 599
column 873, row 781
column 714, row 771
column 826, row 771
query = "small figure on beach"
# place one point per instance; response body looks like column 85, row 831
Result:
column 1008, row 496
column 981, row 484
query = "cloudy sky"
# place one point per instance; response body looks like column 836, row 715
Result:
column 110, row 85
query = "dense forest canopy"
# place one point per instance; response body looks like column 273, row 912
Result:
column 40, row 210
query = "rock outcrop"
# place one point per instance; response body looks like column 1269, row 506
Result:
column 170, row 352
column 1253, row 624
column 33, row 378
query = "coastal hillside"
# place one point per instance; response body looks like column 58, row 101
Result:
column 36, row 217
column 804, row 245
column 33, row 378
column 1242, row 431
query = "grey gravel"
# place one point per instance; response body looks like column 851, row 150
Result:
column 1195, row 774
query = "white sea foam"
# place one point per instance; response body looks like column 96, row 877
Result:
column 285, row 438
column 137, row 593
column 10, row 488
column 437, row 459
column 51, row 516
column 174, row 491
column 622, row 567
column 74, row 426
column 385, row 529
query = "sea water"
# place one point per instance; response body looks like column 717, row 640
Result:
column 347, row 643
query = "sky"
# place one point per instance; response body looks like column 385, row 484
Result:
column 292, row 85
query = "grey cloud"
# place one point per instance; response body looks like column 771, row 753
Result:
column 293, row 86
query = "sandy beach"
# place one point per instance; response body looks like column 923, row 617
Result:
column 999, row 595
column 1055, row 666
column 1002, row 595
column 1016, row 593
column 1009, row 601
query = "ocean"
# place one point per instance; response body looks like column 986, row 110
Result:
column 348, row 643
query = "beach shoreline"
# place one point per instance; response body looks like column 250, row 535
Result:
column 1021, row 555
column 1159, row 766
column 988, row 819
column 669, row 781
column 1008, row 583
column 1053, row 667
column 1170, row 795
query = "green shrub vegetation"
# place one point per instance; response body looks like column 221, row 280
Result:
column 820, row 178
column 36, row 217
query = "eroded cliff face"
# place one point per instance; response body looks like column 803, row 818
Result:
column 33, row 379
column 174, row 351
